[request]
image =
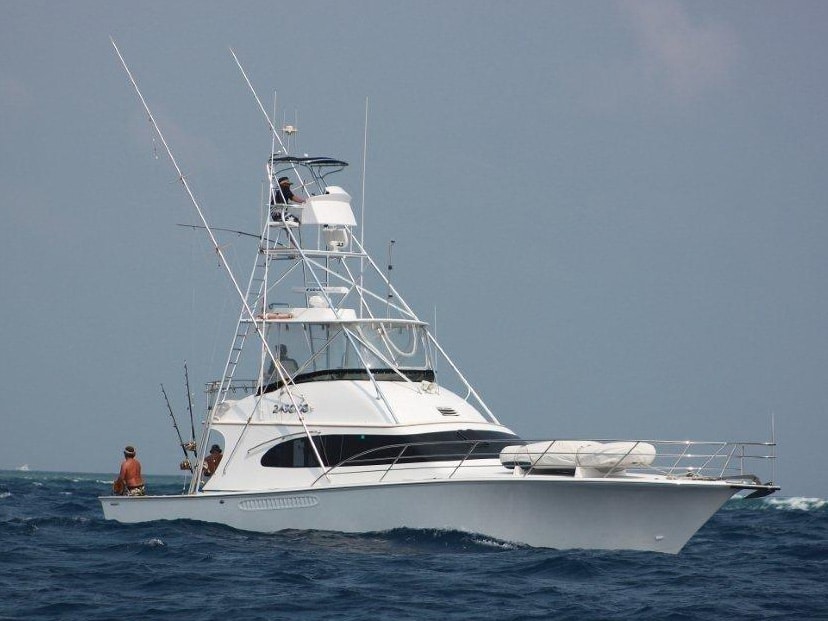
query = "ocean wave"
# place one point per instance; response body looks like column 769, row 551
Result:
column 494, row 543
column 794, row 503
column 797, row 503
column 5, row 494
column 62, row 522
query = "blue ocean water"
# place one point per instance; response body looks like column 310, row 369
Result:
column 59, row 559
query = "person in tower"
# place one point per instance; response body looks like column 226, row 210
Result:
column 282, row 196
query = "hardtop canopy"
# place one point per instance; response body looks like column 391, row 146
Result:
column 319, row 167
column 307, row 161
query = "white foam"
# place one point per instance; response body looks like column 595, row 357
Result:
column 798, row 503
column 155, row 543
column 503, row 545
column 5, row 494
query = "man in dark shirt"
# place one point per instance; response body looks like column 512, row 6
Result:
column 282, row 196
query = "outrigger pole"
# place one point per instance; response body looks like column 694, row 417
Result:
column 270, row 124
column 223, row 261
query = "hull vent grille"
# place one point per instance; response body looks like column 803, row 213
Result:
column 278, row 502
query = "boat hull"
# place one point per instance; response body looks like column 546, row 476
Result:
column 542, row 512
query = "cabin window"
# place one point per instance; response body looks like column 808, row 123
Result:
column 371, row 450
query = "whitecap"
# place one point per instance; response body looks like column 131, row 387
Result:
column 5, row 494
column 493, row 543
column 797, row 503
column 155, row 543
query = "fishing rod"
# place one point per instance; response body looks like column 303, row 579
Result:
column 178, row 431
column 190, row 407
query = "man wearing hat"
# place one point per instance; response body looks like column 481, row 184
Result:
column 283, row 195
column 212, row 460
column 129, row 481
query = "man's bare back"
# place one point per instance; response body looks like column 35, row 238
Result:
column 131, row 472
column 129, row 481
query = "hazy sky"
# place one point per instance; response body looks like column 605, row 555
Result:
column 617, row 209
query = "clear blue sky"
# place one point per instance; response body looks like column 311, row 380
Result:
column 617, row 209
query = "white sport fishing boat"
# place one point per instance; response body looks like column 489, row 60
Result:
column 333, row 416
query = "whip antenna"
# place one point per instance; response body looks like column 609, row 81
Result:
column 362, row 302
column 389, row 293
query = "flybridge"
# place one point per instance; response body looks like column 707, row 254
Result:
column 343, row 314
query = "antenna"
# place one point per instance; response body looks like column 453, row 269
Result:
column 273, row 134
column 389, row 295
column 773, row 445
column 435, row 336
column 362, row 211
column 290, row 131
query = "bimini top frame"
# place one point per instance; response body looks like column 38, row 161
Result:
column 318, row 167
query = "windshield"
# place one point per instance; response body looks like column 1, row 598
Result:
column 313, row 348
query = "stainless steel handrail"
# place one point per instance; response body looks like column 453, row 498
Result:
column 708, row 460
